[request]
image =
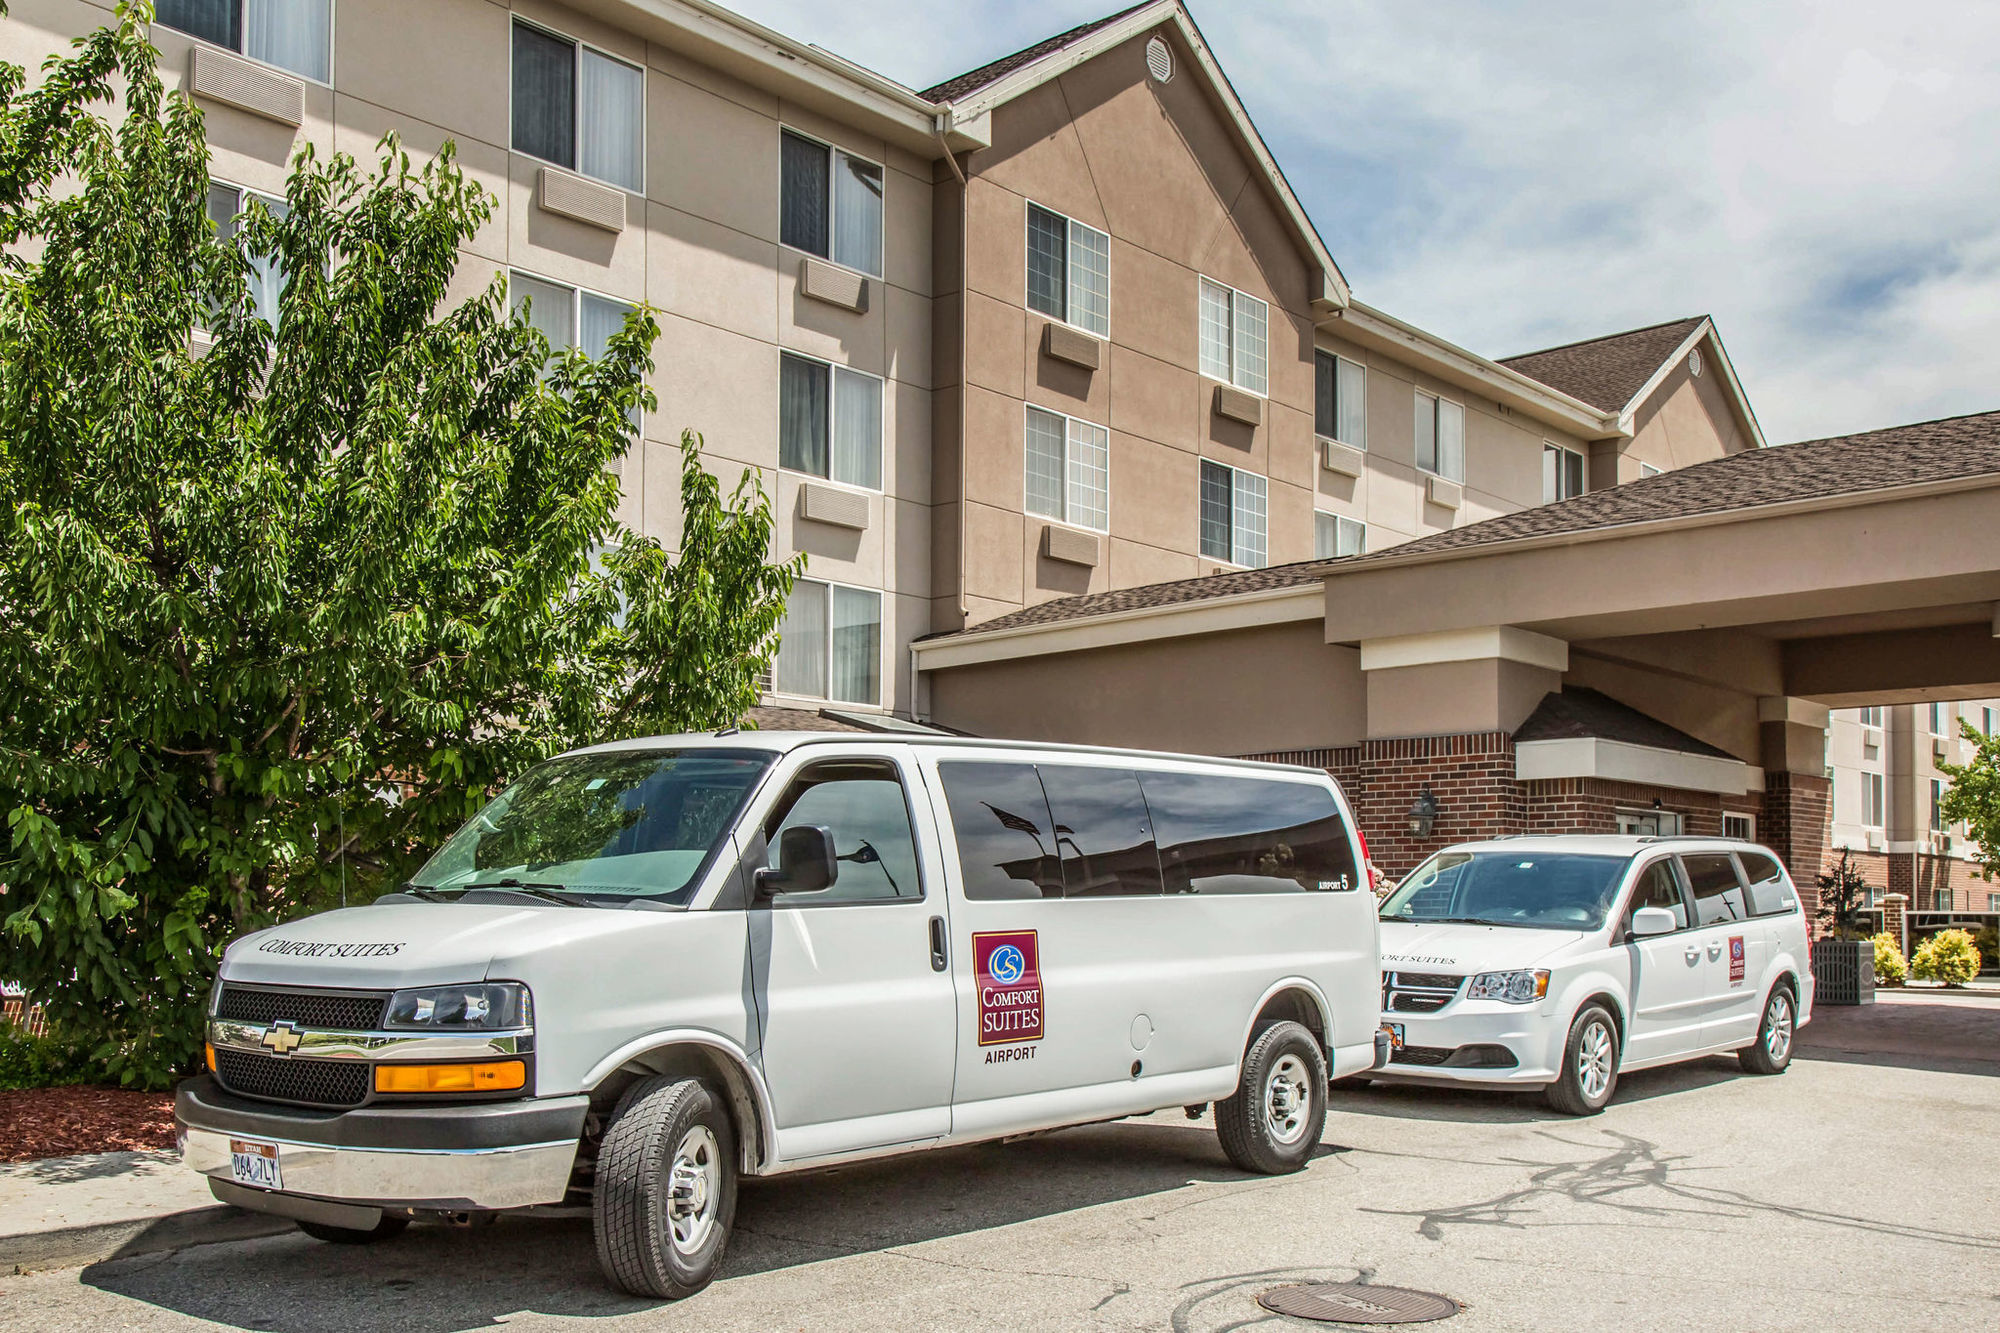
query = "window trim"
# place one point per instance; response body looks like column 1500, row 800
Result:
column 905, row 776
column 1339, row 361
column 1068, row 420
column 1623, row 930
column 577, row 293
column 832, row 389
column 882, row 254
column 1548, row 444
column 1339, row 518
column 882, row 677
column 1437, row 400
column 244, row 195
column 1027, row 220
column 1234, row 292
column 576, row 130
column 332, row 53
column 1874, row 782
column 1231, row 562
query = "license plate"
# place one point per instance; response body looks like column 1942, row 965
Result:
column 1395, row 1031
column 256, row 1164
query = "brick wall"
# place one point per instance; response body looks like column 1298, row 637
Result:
column 1797, row 813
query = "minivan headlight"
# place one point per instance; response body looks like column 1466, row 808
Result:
column 484, row 1006
column 1510, row 987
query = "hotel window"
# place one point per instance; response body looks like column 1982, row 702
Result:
column 579, row 108
column 1937, row 719
column 1337, row 535
column 292, row 34
column 569, row 317
column 1562, row 473
column 226, row 206
column 1233, row 336
column 1232, row 515
column 830, row 644
column 1871, row 800
column 1069, row 271
column 832, row 205
column 1986, row 716
column 1740, row 826
column 829, row 421
column 1069, row 469
column 1871, row 717
column 1648, row 470
column 1340, row 407
column 1938, row 824
column 1440, row 437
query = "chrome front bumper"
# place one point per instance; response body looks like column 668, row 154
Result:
column 449, row 1158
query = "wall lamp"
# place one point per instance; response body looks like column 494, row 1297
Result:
column 1423, row 814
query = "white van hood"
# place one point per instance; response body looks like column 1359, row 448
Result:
column 416, row 944
column 1452, row 947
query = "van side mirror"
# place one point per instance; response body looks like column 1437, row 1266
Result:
column 1653, row 921
column 806, row 862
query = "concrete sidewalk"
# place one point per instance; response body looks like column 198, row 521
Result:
column 61, row 1212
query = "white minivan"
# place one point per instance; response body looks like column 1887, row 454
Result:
column 1558, row 962
column 649, row 967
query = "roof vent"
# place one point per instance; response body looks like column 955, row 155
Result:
column 1159, row 60
column 1694, row 362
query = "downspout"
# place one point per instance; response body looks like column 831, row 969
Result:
column 940, row 126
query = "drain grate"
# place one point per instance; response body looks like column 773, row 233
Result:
column 1358, row 1303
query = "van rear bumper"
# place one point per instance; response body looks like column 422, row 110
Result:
column 451, row 1158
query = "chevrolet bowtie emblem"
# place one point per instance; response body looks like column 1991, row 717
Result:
column 281, row 1038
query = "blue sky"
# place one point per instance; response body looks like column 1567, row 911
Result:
column 1822, row 177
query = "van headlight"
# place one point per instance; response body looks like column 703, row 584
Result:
column 1509, row 987
column 484, row 1006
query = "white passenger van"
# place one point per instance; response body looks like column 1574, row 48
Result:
column 1560, row 961
column 648, row 967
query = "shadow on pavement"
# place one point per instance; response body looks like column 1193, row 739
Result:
column 1502, row 1106
column 438, row 1279
column 1951, row 1034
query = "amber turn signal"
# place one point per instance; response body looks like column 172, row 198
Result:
column 210, row 1048
column 499, row 1076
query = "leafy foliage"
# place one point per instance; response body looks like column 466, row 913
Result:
column 1974, row 796
column 1890, row 969
column 276, row 618
column 1843, row 895
column 28, row 1061
column 1947, row 956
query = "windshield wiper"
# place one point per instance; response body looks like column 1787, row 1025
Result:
column 558, row 894
column 423, row 891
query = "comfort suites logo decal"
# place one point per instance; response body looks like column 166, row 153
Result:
column 1007, row 966
column 1736, row 960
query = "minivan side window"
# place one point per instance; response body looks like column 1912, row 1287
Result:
column 1768, row 894
column 1104, row 838
column 1657, row 887
column 1718, row 894
column 861, row 801
column 1006, row 839
column 1247, row 835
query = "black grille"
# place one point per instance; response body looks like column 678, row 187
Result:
column 1421, row 1055
column 351, row 1010
column 1424, row 980
column 306, row 1082
column 1403, row 1002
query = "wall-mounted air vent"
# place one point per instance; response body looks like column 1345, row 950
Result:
column 1159, row 60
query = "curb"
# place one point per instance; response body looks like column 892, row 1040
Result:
column 73, row 1247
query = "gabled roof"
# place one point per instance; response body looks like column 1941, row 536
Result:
column 1607, row 372
column 1576, row 713
column 951, row 90
column 1234, row 583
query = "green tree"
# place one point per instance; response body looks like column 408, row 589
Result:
column 1974, row 796
column 277, row 616
column 1843, row 896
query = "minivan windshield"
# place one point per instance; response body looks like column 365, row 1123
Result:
column 1548, row 890
column 617, row 825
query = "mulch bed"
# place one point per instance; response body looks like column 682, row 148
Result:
column 62, row 1122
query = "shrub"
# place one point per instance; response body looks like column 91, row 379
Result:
column 38, row 1062
column 1987, row 940
column 1947, row 956
column 1890, row 970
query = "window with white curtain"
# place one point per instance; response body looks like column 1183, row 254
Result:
column 830, row 643
column 226, row 206
column 1340, row 406
column 1233, row 336
column 1233, row 515
column 579, row 108
column 1069, row 271
column 1336, row 535
column 829, row 421
column 1440, row 436
column 296, row 35
column 1873, row 806
column 568, row 316
column 1069, row 469
column 831, row 203
column 1562, row 473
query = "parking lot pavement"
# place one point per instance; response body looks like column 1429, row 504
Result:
column 1852, row 1190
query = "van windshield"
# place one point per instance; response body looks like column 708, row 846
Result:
column 616, row 825
column 1547, row 890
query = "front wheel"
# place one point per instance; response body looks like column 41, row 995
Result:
column 1272, row 1122
column 666, row 1188
column 1772, row 1051
column 1590, row 1064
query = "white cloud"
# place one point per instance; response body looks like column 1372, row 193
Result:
column 1820, row 175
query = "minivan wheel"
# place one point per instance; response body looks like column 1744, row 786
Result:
column 1272, row 1122
column 665, row 1195
column 1590, row 1064
column 1772, row 1051
column 383, row 1230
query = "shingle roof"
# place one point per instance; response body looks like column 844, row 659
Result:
column 1575, row 712
column 1605, row 372
column 764, row 717
column 951, row 90
column 1235, row 582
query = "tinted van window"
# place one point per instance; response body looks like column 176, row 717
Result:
column 1247, row 835
column 1657, row 887
column 860, row 801
column 1718, row 894
column 1768, row 894
column 1103, row 836
column 1006, row 839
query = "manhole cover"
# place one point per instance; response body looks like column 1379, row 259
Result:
column 1357, row 1303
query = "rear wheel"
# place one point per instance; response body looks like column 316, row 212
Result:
column 1771, row 1053
column 1272, row 1122
column 1590, row 1064
column 383, row 1230
column 666, row 1188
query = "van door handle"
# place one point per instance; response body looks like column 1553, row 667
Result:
column 940, row 959
column 1693, row 954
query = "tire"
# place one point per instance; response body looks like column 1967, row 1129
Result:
column 1771, row 1053
column 1271, row 1124
column 652, row 1238
column 1590, row 1064
column 386, row 1229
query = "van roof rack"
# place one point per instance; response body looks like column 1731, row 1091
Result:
column 1690, row 837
